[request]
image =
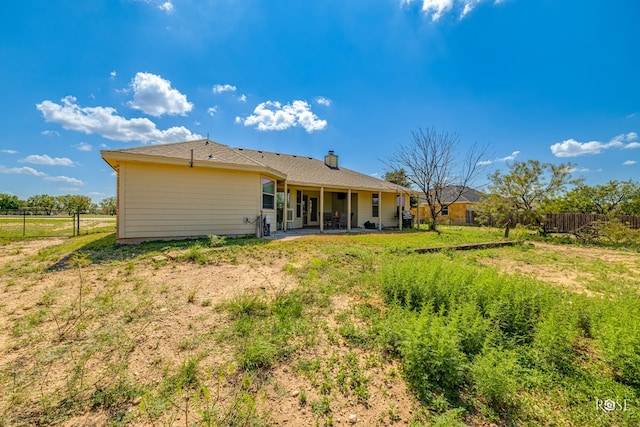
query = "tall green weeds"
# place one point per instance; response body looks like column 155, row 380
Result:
column 483, row 340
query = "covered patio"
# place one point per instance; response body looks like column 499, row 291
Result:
column 327, row 209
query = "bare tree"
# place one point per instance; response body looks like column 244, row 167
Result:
column 434, row 165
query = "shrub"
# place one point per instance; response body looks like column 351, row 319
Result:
column 553, row 344
column 472, row 327
column 432, row 357
column 246, row 305
column 288, row 306
column 196, row 254
column 217, row 241
column 258, row 353
column 618, row 331
column 494, row 374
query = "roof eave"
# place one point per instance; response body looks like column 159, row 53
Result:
column 113, row 158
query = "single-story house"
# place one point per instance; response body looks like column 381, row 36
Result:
column 199, row 188
column 459, row 212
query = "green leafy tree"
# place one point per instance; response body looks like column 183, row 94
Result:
column 614, row 197
column 399, row 177
column 10, row 201
column 523, row 191
column 45, row 202
column 108, row 206
column 434, row 165
column 632, row 207
column 73, row 203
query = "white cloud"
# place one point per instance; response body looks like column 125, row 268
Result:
column 113, row 74
column 83, row 146
column 438, row 8
column 583, row 170
column 212, row 111
column 629, row 162
column 105, row 122
column 154, row 96
column 242, row 98
column 323, row 101
column 271, row 115
column 167, row 6
column 573, row 148
column 25, row 170
column 5, row 151
column 508, row 158
column 65, row 179
column 44, row 159
column 50, row 133
column 218, row 88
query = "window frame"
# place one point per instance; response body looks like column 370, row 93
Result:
column 375, row 205
column 267, row 195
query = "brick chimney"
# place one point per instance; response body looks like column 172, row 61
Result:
column 331, row 160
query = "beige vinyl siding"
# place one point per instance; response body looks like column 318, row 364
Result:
column 364, row 208
column 165, row 201
column 387, row 211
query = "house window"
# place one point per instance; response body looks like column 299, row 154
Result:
column 298, row 204
column 375, row 205
column 444, row 211
column 268, row 193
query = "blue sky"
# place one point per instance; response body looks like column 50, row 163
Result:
column 550, row 80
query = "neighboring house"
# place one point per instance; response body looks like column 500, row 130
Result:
column 460, row 212
column 198, row 188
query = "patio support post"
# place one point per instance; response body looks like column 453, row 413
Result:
column 321, row 209
column 399, row 198
column 285, row 209
column 379, row 210
column 349, row 210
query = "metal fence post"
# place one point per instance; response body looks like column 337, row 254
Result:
column 24, row 222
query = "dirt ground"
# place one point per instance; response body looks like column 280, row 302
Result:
column 179, row 300
column 570, row 273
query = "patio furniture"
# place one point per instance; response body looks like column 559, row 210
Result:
column 327, row 219
column 342, row 221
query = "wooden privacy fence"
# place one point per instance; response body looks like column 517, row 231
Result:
column 569, row 223
column 562, row 222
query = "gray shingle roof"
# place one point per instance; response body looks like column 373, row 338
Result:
column 448, row 194
column 202, row 149
column 300, row 170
